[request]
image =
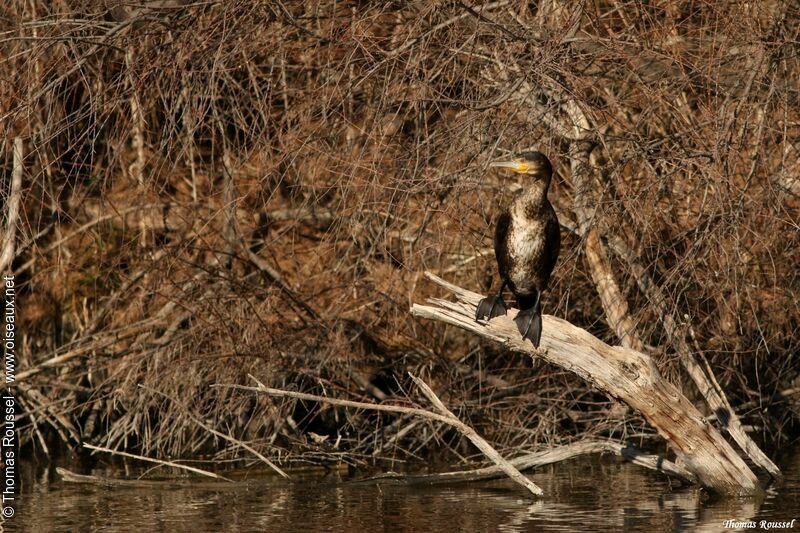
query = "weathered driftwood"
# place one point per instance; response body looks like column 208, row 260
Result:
column 477, row 440
column 624, row 373
column 703, row 378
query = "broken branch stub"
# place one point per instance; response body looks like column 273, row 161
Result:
column 624, row 373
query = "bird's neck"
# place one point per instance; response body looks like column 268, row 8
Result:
column 531, row 202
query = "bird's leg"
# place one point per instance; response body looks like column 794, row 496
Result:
column 529, row 318
column 492, row 306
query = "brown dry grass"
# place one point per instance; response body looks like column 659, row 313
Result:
column 346, row 145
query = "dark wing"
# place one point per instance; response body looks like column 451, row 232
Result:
column 552, row 246
column 501, row 244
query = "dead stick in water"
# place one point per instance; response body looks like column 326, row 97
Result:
column 477, row 440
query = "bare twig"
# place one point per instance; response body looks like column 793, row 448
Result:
column 157, row 461
column 221, row 435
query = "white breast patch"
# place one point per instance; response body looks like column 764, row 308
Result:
column 526, row 244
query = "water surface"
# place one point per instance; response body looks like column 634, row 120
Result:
column 585, row 494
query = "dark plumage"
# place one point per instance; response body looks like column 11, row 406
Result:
column 526, row 244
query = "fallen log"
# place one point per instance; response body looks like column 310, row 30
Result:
column 623, row 373
column 539, row 459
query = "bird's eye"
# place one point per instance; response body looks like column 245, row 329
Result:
column 522, row 167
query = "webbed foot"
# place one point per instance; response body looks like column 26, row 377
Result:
column 529, row 324
column 490, row 307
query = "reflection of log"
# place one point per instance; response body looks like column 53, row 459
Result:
column 623, row 373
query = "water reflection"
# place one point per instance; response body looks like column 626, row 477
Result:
column 591, row 494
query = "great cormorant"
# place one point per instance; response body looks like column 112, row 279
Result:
column 526, row 244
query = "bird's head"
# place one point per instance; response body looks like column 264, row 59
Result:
column 533, row 164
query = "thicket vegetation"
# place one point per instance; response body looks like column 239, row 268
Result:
column 215, row 189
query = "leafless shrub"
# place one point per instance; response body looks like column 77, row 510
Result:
column 345, row 146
